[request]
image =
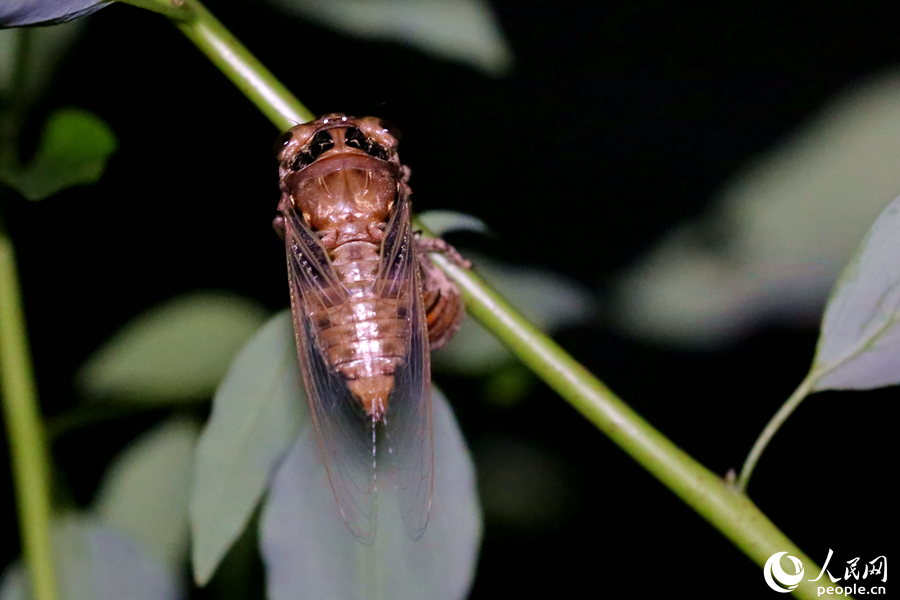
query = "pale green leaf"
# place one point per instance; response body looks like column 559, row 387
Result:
column 73, row 150
column 464, row 30
column 257, row 413
column 859, row 345
column 440, row 222
column 782, row 229
column 145, row 490
column 179, row 350
column 310, row 553
column 96, row 562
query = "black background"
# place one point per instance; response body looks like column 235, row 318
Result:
column 616, row 123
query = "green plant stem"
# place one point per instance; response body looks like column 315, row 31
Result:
column 174, row 9
column 28, row 449
column 729, row 511
column 773, row 426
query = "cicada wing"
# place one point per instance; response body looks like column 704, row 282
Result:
column 345, row 431
column 406, row 450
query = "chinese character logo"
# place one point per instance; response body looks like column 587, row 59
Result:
column 775, row 576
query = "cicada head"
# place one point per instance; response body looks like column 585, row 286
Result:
column 339, row 168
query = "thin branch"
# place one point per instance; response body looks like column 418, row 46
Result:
column 772, row 427
column 28, row 448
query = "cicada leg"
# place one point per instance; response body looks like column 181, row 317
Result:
column 278, row 226
column 444, row 306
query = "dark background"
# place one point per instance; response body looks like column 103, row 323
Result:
column 616, row 123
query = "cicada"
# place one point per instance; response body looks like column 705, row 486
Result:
column 368, row 306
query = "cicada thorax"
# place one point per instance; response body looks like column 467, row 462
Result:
column 346, row 187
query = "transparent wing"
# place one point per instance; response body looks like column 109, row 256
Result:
column 407, row 451
column 345, row 431
column 361, row 455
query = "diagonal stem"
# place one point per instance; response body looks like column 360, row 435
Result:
column 729, row 511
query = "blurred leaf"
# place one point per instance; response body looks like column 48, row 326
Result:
column 509, row 384
column 859, row 346
column 309, row 552
column 440, row 222
column 95, row 562
column 13, row 582
column 46, row 47
column 145, row 491
column 463, row 30
column 74, row 148
column 257, row 413
column 15, row 13
column 781, row 231
column 179, row 350
column 546, row 299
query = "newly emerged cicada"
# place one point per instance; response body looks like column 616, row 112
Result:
column 368, row 306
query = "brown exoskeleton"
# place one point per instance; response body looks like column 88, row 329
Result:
column 368, row 306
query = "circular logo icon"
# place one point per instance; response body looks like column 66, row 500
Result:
column 775, row 576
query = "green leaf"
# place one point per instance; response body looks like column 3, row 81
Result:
column 179, row 350
column 145, row 490
column 257, row 413
column 508, row 384
column 46, row 48
column 74, row 148
column 859, row 346
column 773, row 240
column 309, row 552
column 464, row 30
column 95, row 562
column 440, row 222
